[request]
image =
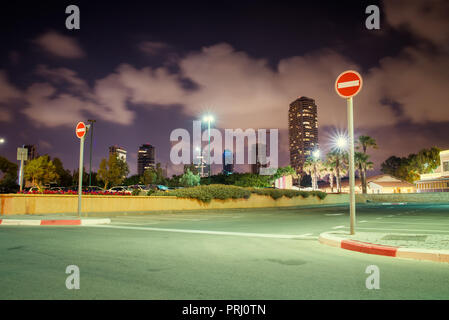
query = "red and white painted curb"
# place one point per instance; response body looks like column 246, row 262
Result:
column 49, row 222
column 389, row 251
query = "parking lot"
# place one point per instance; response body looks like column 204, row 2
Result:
column 221, row 254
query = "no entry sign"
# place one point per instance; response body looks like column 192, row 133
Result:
column 348, row 84
column 80, row 130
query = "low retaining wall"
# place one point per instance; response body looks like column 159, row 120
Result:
column 430, row 197
column 45, row 204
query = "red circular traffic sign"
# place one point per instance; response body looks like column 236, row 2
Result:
column 80, row 130
column 348, row 84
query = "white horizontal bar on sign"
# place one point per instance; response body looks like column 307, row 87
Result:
column 348, row 84
column 81, row 130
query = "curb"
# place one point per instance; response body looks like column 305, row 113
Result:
column 377, row 249
column 46, row 222
column 394, row 203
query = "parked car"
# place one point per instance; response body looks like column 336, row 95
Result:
column 93, row 189
column 59, row 189
column 119, row 189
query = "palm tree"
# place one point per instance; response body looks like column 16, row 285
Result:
column 365, row 142
column 313, row 167
column 336, row 159
column 330, row 170
column 362, row 164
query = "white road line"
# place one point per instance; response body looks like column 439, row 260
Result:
column 414, row 230
column 348, row 84
column 338, row 227
column 418, row 223
column 363, row 221
column 224, row 233
column 333, row 214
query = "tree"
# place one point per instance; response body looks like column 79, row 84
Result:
column 313, row 167
column 154, row 175
column 192, row 167
column 65, row 177
column 365, row 142
column 40, row 171
column 189, row 179
column 362, row 164
column 132, row 180
column 410, row 168
column 330, row 170
column 8, row 181
column 112, row 171
column 338, row 159
column 285, row 171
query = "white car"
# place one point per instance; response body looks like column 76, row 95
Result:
column 119, row 189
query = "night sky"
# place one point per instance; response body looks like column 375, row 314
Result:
column 144, row 68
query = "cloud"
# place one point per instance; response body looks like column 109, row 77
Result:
column 152, row 47
column 60, row 45
column 425, row 19
column 8, row 92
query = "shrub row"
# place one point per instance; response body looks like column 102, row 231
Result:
column 206, row 193
column 279, row 193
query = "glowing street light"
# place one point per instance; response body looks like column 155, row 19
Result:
column 2, row 140
column 316, row 154
column 208, row 118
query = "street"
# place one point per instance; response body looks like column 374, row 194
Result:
column 233, row 254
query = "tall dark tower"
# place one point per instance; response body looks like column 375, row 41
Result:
column 302, row 131
column 145, row 158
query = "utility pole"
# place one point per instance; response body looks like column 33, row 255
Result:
column 90, row 147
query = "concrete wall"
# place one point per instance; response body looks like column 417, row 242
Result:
column 431, row 197
column 44, row 204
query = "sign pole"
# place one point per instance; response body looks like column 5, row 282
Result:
column 80, row 177
column 351, row 166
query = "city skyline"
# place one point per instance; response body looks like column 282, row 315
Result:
column 51, row 78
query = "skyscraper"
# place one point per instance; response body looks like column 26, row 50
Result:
column 145, row 158
column 228, row 162
column 302, row 131
column 118, row 151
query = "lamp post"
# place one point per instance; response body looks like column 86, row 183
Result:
column 316, row 156
column 91, row 121
column 208, row 119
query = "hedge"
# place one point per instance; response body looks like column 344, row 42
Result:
column 206, row 193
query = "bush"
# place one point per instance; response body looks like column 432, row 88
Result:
column 208, row 192
column 279, row 193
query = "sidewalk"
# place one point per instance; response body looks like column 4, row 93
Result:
column 50, row 220
column 432, row 247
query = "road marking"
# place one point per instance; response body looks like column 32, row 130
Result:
column 420, row 223
column 134, row 223
column 333, row 214
column 365, row 221
column 338, row 227
column 414, row 230
column 224, row 233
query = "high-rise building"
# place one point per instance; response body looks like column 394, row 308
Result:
column 145, row 158
column 228, row 162
column 302, row 131
column 260, row 156
column 118, row 151
column 32, row 153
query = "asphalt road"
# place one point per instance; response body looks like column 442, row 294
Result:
column 233, row 254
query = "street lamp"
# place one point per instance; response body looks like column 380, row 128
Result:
column 90, row 149
column 2, row 140
column 200, row 157
column 208, row 118
column 316, row 156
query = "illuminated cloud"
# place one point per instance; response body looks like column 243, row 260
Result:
column 60, row 45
